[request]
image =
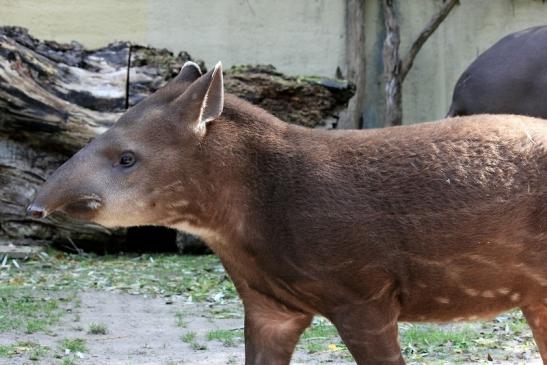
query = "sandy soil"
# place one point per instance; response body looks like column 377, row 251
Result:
column 144, row 331
column 141, row 331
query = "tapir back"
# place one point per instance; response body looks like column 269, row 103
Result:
column 439, row 212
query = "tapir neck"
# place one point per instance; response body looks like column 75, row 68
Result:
column 237, row 151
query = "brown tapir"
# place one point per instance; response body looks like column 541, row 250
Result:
column 508, row 78
column 442, row 221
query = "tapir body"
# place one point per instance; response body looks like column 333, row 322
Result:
column 508, row 78
column 436, row 222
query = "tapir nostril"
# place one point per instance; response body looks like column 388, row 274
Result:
column 36, row 212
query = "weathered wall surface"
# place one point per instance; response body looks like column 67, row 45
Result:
column 297, row 36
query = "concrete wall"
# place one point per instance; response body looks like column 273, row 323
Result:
column 470, row 28
column 297, row 36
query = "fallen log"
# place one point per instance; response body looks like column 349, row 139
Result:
column 54, row 98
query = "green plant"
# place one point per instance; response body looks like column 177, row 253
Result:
column 97, row 329
column 227, row 337
column 73, row 345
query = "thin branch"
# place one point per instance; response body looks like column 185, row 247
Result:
column 429, row 29
column 390, row 51
column 127, row 80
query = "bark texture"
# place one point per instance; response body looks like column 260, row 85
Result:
column 392, row 67
column 356, row 58
column 55, row 97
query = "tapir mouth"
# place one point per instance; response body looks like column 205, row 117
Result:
column 82, row 207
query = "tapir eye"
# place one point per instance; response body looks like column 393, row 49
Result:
column 127, row 159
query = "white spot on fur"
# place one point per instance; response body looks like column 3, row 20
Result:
column 442, row 300
column 472, row 318
column 515, row 297
column 488, row 294
column 471, row 292
column 503, row 291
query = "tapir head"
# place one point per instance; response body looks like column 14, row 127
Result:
column 143, row 170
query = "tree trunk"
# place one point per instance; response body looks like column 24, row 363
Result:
column 395, row 68
column 392, row 67
column 55, row 97
column 356, row 62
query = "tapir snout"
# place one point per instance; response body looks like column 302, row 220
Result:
column 70, row 189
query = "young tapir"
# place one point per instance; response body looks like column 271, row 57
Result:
column 442, row 221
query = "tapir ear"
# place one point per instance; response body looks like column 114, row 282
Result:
column 203, row 101
column 189, row 73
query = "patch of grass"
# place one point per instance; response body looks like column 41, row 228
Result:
column 435, row 339
column 69, row 361
column 322, row 336
column 314, row 347
column 229, row 338
column 232, row 360
column 73, row 345
column 34, row 350
column 191, row 339
column 188, row 337
column 225, row 312
column 181, row 322
column 198, row 346
column 37, row 352
column 320, row 329
column 26, row 310
column 97, row 329
column 4, row 351
column 197, row 278
column 514, row 323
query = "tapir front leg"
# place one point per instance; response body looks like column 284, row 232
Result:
column 536, row 316
column 271, row 329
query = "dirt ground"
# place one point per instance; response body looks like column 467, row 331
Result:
column 167, row 310
column 143, row 331
column 140, row 331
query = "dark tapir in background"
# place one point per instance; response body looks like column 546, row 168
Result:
column 438, row 222
column 508, row 78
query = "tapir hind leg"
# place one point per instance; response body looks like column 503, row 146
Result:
column 370, row 332
column 271, row 329
column 536, row 316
